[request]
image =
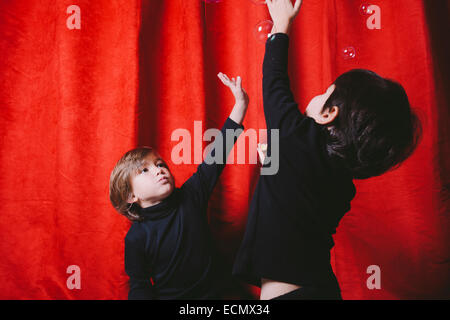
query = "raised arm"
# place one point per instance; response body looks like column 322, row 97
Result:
column 280, row 109
column 203, row 181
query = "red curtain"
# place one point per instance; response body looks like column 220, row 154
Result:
column 74, row 100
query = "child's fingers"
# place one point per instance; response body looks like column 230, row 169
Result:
column 220, row 76
column 234, row 82
column 297, row 5
column 224, row 79
column 261, row 152
column 223, row 76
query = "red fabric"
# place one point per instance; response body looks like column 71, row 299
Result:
column 73, row 101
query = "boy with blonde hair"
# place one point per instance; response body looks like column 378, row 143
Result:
column 168, row 249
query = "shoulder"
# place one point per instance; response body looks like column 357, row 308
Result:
column 136, row 233
column 188, row 193
column 310, row 132
column 309, row 141
column 308, row 125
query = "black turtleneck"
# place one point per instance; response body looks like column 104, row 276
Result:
column 173, row 247
column 294, row 212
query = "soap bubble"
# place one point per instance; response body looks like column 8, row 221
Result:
column 364, row 9
column 348, row 53
column 262, row 30
column 259, row 1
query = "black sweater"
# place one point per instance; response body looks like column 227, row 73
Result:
column 294, row 212
column 173, row 245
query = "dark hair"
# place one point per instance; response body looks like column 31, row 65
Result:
column 375, row 129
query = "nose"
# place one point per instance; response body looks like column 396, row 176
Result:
column 159, row 170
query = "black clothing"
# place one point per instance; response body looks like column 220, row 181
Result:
column 173, row 245
column 294, row 212
column 312, row 293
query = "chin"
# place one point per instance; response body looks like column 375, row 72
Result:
column 169, row 191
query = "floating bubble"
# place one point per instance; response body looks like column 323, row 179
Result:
column 262, row 30
column 364, row 9
column 349, row 53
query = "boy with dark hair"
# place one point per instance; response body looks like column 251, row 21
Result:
column 168, row 249
column 360, row 127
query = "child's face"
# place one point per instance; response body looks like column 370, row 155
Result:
column 153, row 183
column 316, row 104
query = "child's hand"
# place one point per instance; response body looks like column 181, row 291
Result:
column 262, row 151
column 236, row 88
column 283, row 14
column 240, row 108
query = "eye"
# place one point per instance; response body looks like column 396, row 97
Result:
column 161, row 165
column 144, row 170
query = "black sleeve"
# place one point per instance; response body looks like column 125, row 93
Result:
column 137, row 269
column 203, row 181
column 280, row 109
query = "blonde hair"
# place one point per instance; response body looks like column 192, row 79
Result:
column 120, row 182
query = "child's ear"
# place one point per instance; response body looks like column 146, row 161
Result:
column 329, row 115
column 131, row 198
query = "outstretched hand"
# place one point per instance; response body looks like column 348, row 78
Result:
column 283, row 14
column 235, row 86
column 241, row 97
